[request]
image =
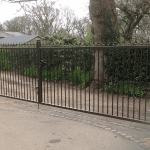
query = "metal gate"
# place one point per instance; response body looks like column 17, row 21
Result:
column 101, row 103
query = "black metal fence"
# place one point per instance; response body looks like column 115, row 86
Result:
column 31, row 74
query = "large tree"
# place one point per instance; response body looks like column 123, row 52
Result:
column 140, row 29
column 97, row 9
column 100, row 8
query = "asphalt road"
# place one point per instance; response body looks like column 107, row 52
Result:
column 25, row 127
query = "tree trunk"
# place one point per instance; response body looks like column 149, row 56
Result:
column 98, row 24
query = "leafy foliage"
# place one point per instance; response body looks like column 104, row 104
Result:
column 89, row 36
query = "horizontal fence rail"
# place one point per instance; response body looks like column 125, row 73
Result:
column 62, row 77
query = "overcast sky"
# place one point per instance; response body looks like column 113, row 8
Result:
column 80, row 8
column 8, row 10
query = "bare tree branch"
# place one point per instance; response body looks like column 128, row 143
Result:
column 133, row 14
column 42, row 17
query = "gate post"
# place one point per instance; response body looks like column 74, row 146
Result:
column 38, row 45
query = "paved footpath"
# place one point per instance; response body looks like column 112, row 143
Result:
column 25, row 127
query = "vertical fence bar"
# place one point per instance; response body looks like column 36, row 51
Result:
column 3, row 60
column 89, row 82
column 146, row 86
column 80, row 88
column 72, row 83
column 107, row 88
column 10, row 74
column 54, row 86
column 128, row 87
column 16, row 70
column 123, row 87
column 140, row 85
column 117, row 83
column 26, row 74
column 1, row 68
column 89, row 88
column 38, row 45
column 68, row 80
column 21, row 76
column 98, row 81
column 44, row 71
column 47, row 74
column 13, row 75
column 50, row 75
column 112, row 86
column 32, row 72
column 30, row 65
column 18, row 75
column 57, row 80
column 24, row 71
column 76, row 84
column 29, row 77
column 134, row 85
column 85, row 90
column 7, row 72
column 61, row 83
column 103, row 82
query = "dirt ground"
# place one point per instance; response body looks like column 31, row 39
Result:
column 67, row 95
